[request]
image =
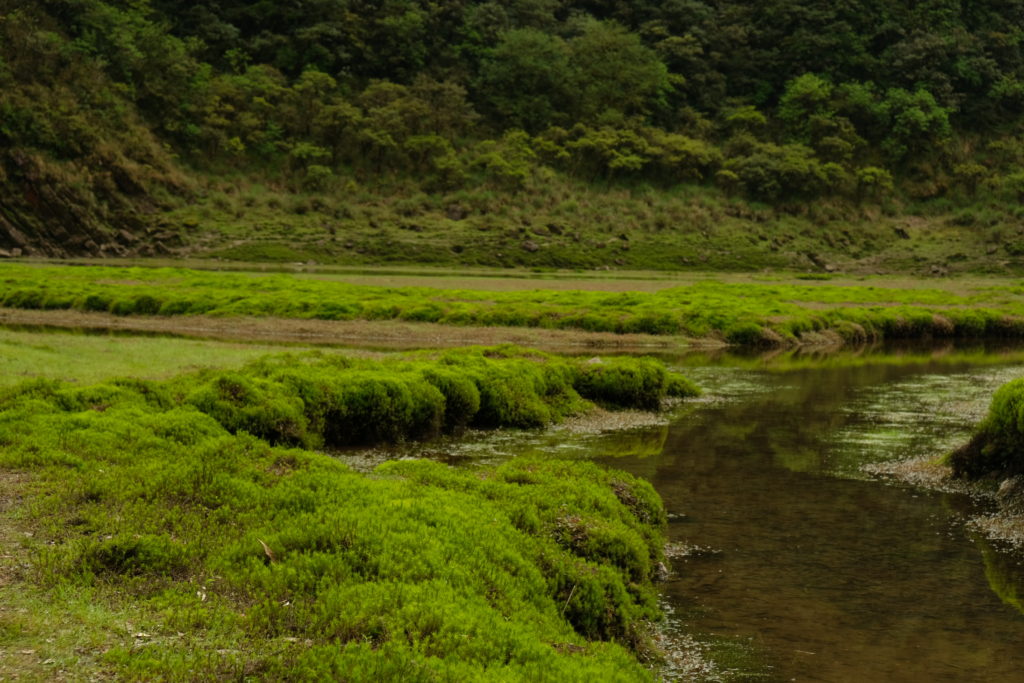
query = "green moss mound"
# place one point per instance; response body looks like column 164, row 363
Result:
column 997, row 445
column 315, row 400
column 277, row 563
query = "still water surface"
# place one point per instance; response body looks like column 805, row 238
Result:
column 834, row 578
column 811, row 569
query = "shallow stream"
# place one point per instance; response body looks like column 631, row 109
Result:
column 809, row 569
column 835, row 578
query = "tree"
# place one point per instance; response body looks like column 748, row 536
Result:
column 614, row 75
column 526, row 82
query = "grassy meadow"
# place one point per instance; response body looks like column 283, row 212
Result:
column 768, row 311
column 170, row 520
column 560, row 223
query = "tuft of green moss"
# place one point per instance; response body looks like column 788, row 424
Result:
column 997, row 445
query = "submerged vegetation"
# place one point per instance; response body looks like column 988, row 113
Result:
column 178, row 504
column 752, row 314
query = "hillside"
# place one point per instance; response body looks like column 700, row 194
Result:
column 868, row 137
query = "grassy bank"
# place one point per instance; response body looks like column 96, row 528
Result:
column 560, row 223
column 90, row 358
column 161, row 536
column 766, row 313
column 997, row 446
column 229, row 557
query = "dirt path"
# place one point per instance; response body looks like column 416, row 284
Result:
column 383, row 333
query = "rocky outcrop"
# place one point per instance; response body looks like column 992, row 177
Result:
column 71, row 208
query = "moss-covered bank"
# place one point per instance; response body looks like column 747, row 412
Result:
column 997, row 445
column 314, row 400
column 242, row 559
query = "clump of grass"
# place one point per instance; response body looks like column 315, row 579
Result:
column 625, row 382
column 997, row 445
column 313, row 400
column 283, row 563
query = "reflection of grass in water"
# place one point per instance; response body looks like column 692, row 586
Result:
column 1004, row 574
column 636, row 443
column 781, row 361
column 926, row 415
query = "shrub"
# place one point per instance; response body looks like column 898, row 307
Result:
column 678, row 386
column 461, row 397
column 252, row 405
column 745, row 334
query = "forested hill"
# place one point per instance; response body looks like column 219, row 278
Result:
column 114, row 113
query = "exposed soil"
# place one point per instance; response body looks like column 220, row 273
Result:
column 383, row 333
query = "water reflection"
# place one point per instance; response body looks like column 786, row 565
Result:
column 1004, row 572
column 829, row 577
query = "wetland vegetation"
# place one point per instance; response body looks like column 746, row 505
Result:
column 755, row 312
column 162, row 526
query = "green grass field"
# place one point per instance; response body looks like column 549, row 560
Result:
column 163, row 527
column 767, row 311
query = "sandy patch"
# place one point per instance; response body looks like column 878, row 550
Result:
column 600, row 420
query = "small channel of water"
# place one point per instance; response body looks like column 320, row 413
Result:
column 834, row 578
column 809, row 568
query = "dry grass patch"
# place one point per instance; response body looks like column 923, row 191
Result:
column 382, row 333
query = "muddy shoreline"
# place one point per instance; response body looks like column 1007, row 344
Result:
column 1005, row 524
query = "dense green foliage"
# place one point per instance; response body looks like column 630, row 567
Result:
column 103, row 102
column 997, row 446
column 755, row 314
column 245, row 560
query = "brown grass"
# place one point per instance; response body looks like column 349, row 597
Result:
column 377, row 333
